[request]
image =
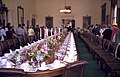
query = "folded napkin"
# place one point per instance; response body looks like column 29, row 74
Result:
column 9, row 64
column 43, row 66
column 55, row 65
column 11, row 51
column 25, row 66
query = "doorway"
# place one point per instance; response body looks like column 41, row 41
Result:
column 68, row 22
column 103, row 16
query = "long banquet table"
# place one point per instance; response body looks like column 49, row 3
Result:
column 45, row 73
column 68, row 54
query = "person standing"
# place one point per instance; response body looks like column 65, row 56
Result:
column 107, row 33
column 25, row 29
column 2, row 33
column 116, row 37
column 114, row 30
column 31, row 34
column 13, row 29
column 9, row 33
column 20, row 31
column 43, row 31
column 37, row 31
column 96, row 30
column 8, row 25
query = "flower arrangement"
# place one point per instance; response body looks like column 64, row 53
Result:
column 15, row 57
column 45, row 50
column 31, row 54
column 52, row 43
column 37, row 51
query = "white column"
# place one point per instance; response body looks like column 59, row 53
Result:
column 115, row 15
column 46, row 32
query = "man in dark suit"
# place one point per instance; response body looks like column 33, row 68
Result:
column 107, row 33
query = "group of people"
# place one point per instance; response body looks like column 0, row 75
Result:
column 8, row 32
column 109, row 32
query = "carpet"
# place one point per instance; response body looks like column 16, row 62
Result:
column 92, row 69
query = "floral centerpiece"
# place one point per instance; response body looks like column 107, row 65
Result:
column 40, row 52
column 31, row 55
column 15, row 57
column 52, row 43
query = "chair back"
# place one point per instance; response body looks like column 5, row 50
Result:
column 5, row 47
column 9, row 72
column 112, row 48
column 75, row 69
column 1, row 53
column 10, row 44
column 117, row 52
column 16, row 43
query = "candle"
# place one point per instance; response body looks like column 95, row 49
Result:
column 40, row 33
column 59, row 30
column 46, row 31
column 55, row 31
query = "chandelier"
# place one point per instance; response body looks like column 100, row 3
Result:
column 66, row 9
